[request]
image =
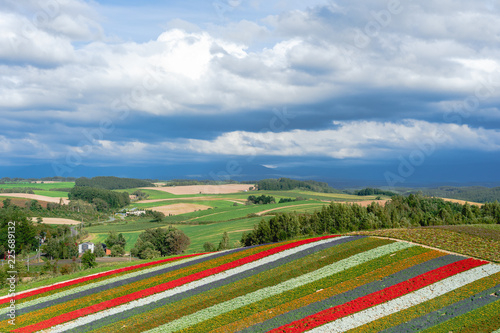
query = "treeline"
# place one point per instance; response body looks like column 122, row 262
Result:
column 102, row 199
column 287, row 184
column 112, row 183
column 374, row 191
column 6, row 180
column 400, row 212
column 472, row 193
column 27, row 190
column 186, row 182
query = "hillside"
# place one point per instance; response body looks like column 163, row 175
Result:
column 327, row 284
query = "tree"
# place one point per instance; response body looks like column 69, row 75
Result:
column 157, row 216
column 117, row 251
column 7, row 202
column 178, row 241
column 224, row 243
column 88, row 260
column 115, row 239
column 99, row 250
column 166, row 241
column 209, row 247
column 39, row 220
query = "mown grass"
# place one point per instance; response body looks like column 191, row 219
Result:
column 445, row 239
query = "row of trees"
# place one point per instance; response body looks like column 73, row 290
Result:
column 287, row 184
column 261, row 200
column 400, row 212
column 112, row 183
column 374, row 191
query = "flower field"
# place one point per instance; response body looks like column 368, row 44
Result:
column 323, row 284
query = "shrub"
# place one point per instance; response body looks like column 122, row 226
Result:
column 88, row 260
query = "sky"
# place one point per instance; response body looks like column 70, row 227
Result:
column 389, row 93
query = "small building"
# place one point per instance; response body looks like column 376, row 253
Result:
column 84, row 247
column 136, row 212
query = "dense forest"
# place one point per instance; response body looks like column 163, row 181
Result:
column 472, row 193
column 373, row 191
column 103, row 199
column 286, row 184
column 112, row 183
column 400, row 212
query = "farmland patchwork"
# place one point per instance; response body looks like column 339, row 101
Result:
column 324, row 284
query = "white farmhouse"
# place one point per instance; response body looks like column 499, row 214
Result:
column 84, row 247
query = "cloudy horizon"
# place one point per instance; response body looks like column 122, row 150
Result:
column 393, row 92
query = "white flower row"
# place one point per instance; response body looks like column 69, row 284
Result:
column 153, row 298
column 267, row 292
column 98, row 284
column 404, row 302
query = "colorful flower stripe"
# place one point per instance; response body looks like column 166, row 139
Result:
column 280, row 288
column 344, row 281
column 476, row 316
column 176, row 306
column 379, row 297
column 353, row 294
column 160, row 288
column 41, row 290
column 422, row 295
column 110, row 294
column 434, row 304
column 109, row 281
column 454, row 310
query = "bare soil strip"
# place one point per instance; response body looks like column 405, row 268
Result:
column 34, row 197
column 54, row 220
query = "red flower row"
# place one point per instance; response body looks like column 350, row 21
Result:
column 379, row 297
column 90, row 277
column 160, row 288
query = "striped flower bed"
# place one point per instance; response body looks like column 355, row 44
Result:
column 324, row 284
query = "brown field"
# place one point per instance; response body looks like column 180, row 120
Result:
column 54, row 220
column 366, row 203
column 34, row 197
column 203, row 189
column 177, row 209
column 463, row 202
column 22, row 202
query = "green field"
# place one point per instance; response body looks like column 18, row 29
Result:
column 45, row 187
column 198, row 234
column 53, row 194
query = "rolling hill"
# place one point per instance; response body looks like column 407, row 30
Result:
column 323, row 284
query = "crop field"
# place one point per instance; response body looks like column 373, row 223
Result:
column 52, row 194
column 323, row 284
column 472, row 241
